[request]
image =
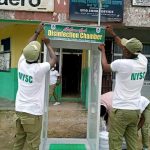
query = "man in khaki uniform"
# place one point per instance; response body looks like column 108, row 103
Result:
column 145, row 130
column 30, row 95
column 144, row 123
column 130, row 73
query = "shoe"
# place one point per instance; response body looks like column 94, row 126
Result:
column 56, row 103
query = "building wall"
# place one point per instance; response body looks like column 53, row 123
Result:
column 19, row 34
column 60, row 13
column 135, row 15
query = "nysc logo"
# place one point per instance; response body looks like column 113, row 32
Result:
column 138, row 76
column 25, row 77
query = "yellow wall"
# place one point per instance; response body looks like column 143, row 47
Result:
column 19, row 35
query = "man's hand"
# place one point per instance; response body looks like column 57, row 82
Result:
column 46, row 40
column 36, row 32
column 101, row 47
column 117, row 39
column 109, row 29
column 40, row 27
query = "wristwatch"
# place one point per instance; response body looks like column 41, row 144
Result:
column 37, row 32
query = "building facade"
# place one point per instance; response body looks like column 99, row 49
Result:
column 18, row 20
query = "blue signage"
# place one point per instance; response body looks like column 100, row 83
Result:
column 87, row 10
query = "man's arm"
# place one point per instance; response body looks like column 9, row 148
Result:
column 51, row 51
column 37, row 32
column 117, row 39
column 106, row 67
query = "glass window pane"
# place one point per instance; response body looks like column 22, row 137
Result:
column 117, row 49
column 148, row 70
column 6, row 44
column 146, row 49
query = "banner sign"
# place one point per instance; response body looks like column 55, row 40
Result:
column 141, row 2
column 87, row 10
column 27, row 5
column 75, row 33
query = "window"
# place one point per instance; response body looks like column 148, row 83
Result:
column 146, row 52
column 5, row 55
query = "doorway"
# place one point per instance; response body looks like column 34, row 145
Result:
column 71, row 75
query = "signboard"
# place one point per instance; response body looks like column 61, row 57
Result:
column 75, row 33
column 87, row 10
column 27, row 5
column 141, row 2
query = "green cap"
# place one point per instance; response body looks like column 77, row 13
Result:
column 31, row 51
column 133, row 45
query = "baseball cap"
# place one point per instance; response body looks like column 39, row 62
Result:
column 133, row 45
column 31, row 51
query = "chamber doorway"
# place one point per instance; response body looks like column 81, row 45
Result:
column 71, row 75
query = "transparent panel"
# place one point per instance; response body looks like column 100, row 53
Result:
column 45, row 116
column 94, row 98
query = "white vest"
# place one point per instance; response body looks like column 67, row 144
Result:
column 130, row 74
column 31, row 87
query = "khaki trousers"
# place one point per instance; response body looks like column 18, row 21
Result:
column 123, row 123
column 52, row 92
column 28, row 130
column 145, row 130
